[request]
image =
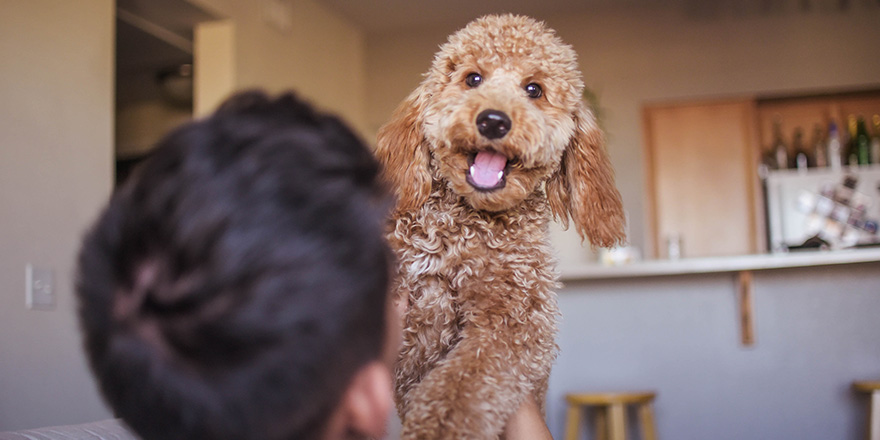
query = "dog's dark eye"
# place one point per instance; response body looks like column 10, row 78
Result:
column 534, row 90
column 473, row 79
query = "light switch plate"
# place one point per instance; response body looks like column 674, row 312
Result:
column 40, row 288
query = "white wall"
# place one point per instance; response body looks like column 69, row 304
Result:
column 56, row 150
column 632, row 57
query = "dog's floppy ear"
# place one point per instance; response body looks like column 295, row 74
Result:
column 583, row 188
column 400, row 147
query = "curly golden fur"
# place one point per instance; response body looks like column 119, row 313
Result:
column 476, row 272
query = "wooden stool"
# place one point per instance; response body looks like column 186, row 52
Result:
column 610, row 414
column 872, row 388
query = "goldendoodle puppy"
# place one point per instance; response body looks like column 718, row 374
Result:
column 494, row 142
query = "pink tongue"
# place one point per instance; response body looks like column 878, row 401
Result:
column 488, row 168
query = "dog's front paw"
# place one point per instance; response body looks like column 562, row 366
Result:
column 459, row 406
column 439, row 422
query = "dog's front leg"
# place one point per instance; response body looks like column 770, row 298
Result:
column 430, row 331
column 472, row 393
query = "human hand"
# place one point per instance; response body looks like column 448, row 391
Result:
column 527, row 423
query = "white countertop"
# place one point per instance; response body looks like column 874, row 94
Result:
column 737, row 263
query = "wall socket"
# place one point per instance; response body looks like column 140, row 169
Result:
column 39, row 288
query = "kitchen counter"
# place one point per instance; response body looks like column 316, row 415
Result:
column 769, row 339
column 737, row 263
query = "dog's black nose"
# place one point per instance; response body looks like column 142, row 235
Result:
column 493, row 124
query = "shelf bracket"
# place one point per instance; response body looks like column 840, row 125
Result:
column 744, row 289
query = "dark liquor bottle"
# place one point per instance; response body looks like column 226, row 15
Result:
column 820, row 148
column 802, row 159
column 862, row 143
column 875, row 141
column 852, row 155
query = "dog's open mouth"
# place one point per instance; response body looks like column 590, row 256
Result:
column 488, row 170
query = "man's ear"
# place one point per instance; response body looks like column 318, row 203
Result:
column 368, row 401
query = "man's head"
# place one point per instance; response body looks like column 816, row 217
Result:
column 236, row 286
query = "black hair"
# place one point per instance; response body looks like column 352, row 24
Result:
column 234, row 285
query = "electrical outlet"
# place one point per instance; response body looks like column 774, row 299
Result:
column 40, row 288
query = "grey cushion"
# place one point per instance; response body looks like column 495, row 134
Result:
column 103, row 430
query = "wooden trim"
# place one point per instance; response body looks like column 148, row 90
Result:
column 685, row 102
column 757, row 227
column 869, row 90
column 649, row 196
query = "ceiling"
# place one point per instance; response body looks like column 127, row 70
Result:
column 384, row 15
column 152, row 36
column 154, row 33
column 139, row 46
column 178, row 16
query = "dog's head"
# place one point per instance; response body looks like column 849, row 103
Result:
column 498, row 114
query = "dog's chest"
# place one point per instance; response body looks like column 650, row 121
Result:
column 446, row 252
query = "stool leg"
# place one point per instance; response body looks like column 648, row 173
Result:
column 617, row 425
column 573, row 422
column 874, row 417
column 601, row 421
column 646, row 418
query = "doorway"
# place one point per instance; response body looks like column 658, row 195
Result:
column 154, row 75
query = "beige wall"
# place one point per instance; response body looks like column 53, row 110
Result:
column 321, row 55
column 56, row 149
column 633, row 57
column 140, row 125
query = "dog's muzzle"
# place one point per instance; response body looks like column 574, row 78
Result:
column 487, row 169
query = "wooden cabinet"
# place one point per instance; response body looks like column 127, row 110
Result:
column 701, row 159
column 701, row 177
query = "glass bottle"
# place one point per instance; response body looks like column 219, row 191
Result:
column 780, row 150
column 875, row 141
column 820, row 148
column 862, row 143
column 802, row 159
column 835, row 153
column 852, row 156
